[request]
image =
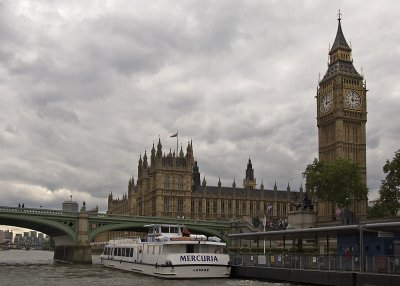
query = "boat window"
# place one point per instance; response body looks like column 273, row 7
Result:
column 123, row 252
column 189, row 248
column 165, row 229
column 115, row 251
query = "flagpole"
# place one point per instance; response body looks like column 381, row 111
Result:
column 176, row 135
column 264, row 223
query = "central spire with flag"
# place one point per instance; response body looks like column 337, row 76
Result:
column 175, row 135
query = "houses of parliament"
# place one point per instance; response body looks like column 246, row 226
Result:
column 170, row 185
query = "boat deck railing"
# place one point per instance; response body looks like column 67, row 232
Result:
column 372, row 264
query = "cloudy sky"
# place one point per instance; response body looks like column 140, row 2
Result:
column 88, row 86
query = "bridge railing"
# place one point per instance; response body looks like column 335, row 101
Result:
column 105, row 216
column 373, row 264
column 152, row 219
column 35, row 211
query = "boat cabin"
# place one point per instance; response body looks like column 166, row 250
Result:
column 160, row 231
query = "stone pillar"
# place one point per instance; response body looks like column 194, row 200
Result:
column 78, row 251
column 301, row 219
column 82, row 251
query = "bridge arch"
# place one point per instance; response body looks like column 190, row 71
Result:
column 34, row 219
column 115, row 223
column 136, row 226
column 73, row 231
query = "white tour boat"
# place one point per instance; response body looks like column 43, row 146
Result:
column 168, row 253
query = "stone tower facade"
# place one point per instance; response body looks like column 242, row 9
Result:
column 249, row 182
column 170, row 185
column 164, row 184
column 342, row 116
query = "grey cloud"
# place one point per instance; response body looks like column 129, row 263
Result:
column 87, row 88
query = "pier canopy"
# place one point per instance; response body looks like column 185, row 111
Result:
column 329, row 231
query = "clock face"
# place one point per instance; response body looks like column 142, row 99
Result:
column 326, row 102
column 352, row 100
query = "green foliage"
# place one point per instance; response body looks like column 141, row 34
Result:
column 376, row 211
column 336, row 181
column 388, row 203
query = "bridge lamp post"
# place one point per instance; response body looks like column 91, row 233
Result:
column 264, row 222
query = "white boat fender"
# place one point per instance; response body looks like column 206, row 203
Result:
column 199, row 237
column 214, row 238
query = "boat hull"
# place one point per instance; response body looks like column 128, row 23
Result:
column 166, row 253
column 191, row 271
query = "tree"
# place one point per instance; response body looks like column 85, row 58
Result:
column 337, row 181
column 388, row 203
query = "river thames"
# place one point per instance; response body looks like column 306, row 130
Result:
column 36, row 267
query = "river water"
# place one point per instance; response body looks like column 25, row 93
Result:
column 36, row 267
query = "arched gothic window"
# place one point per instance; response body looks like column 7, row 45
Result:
column 180, row 182
column 166, row 182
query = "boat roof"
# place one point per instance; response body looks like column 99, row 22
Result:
column 162, row 224
column 123, row 240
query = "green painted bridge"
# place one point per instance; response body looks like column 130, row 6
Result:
column 72, row 232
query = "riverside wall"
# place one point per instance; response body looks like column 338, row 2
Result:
column 315, row 277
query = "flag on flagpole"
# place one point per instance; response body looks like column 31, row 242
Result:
column 175, row 135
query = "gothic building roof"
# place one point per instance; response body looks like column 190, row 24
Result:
column 340, row 65
column 238, row 192
column 340, row 40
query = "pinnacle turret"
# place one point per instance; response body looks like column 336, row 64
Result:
column 340, row 58
column 159, row 149
column 340, row 40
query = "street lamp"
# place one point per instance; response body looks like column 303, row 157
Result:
column 264, row 222
column 346, row 213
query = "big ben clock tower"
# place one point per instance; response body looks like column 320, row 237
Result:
column 342, row 116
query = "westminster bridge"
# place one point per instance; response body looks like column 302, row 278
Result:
column 72, row 232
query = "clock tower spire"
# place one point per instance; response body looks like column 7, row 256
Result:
column 342, row 111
